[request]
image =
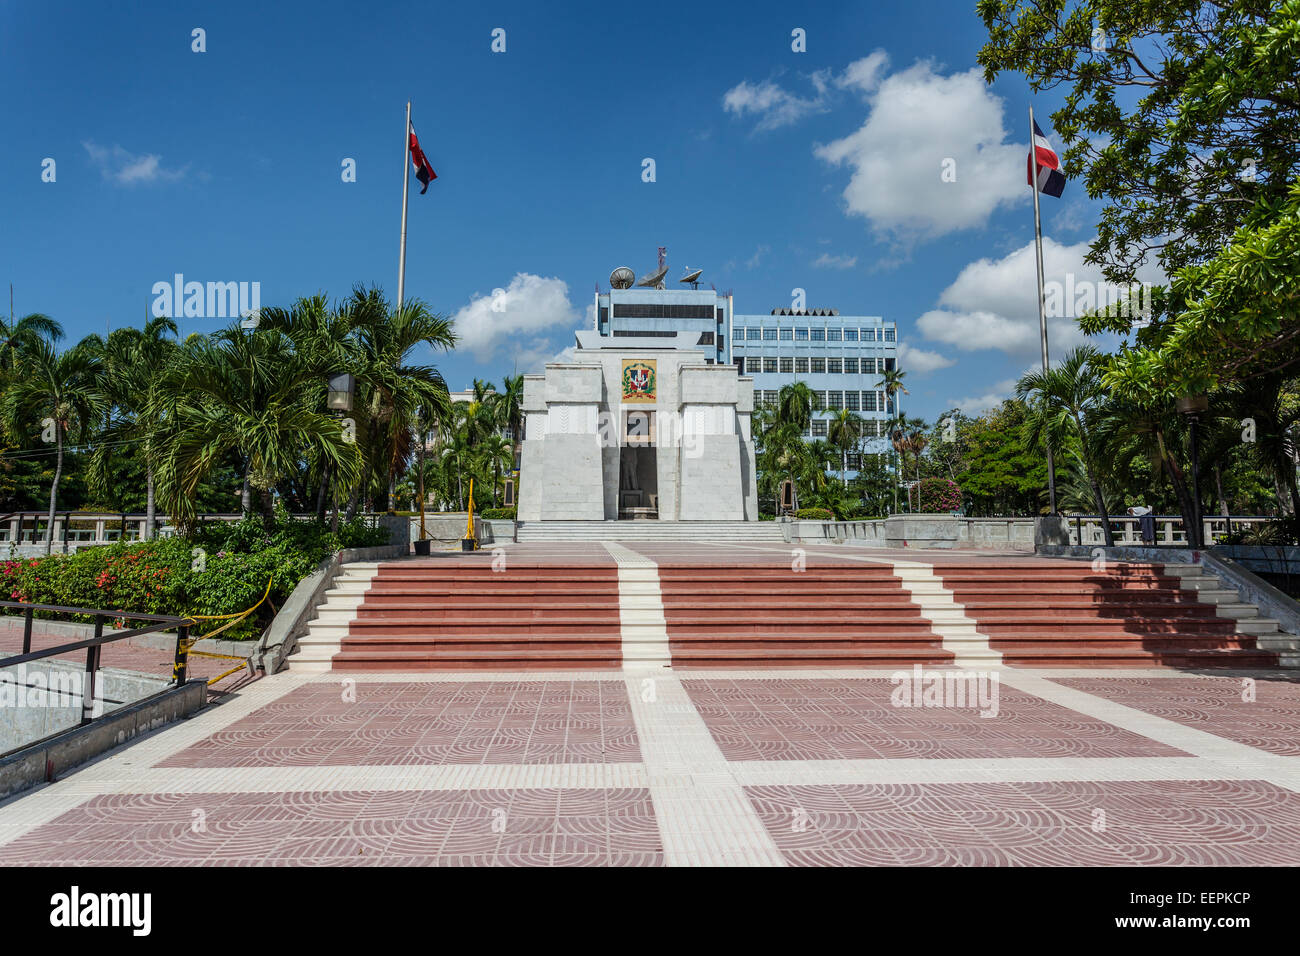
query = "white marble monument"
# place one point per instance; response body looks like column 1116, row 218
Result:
column 637, row 428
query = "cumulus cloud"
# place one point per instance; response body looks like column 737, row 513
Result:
column 993, row 303
column 919, row 361
column 774, row 106
column 827, row 261
column 864, row 75
column 517, row 320
column 918, row 120
column 129, row 169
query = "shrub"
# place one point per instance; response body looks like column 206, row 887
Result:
column 497, row 514
column 161, row 577
column 935, row 495
column 815, row 514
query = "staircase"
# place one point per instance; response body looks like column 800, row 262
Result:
column 725, row 532
column 460, row 614
column 1068, row 615
column 756, row 616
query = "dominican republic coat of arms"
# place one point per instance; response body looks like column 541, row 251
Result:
column 638, row 380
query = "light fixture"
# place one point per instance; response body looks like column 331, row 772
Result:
column 341, row 387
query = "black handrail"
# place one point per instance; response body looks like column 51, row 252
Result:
column 93, row 646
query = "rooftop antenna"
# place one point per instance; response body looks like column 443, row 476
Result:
column 692, row 276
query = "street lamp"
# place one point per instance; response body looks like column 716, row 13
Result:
column 1193, row 406
column 341, row 387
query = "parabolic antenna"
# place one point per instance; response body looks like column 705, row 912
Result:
column 654, row 280
column 622, row 278
column 693, row 277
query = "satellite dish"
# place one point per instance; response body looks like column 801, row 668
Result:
column 622, row 278
column 692, row 276
column 654, row 280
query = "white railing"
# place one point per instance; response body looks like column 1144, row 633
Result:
column 1169, row 529
column 23, row 533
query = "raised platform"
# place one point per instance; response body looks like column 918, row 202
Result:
column 654, row 530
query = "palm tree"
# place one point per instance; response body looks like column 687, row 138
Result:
column 795, row 404
column 59, row 393
column 250, row 393
column 131, row 366
column 14, row 334
column 891, row 382
column 844, row 432
column 390, row 387
column 1064, row 402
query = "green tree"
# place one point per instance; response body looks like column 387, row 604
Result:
column 1063, row 403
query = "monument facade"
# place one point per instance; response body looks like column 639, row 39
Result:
column 637, row 429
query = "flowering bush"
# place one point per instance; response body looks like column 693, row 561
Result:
column 937, row 495
column 222, row 571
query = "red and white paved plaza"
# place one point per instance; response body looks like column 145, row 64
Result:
column 691, row 766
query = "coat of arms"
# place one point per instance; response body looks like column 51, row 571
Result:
column 638, row 380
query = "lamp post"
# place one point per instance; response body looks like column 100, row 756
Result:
column 339, row 400
column 1193, row 406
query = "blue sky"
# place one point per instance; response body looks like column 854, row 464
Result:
column 774, row 170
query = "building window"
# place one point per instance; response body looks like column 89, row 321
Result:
column 834, row 366
column 832, row 335
column 889, row 335
column 855, row 462
column 604, row 315
column 740, row 365
column 850, row 335
column 769, row 335
column 769, row 364
column 801, row 335
column 755, row 365
column 868, row 335
column 869, row 402
column 889, row 365
column 868, row 366
column 706, row 338
column 752, row 334
column 819, row 335
column 818, row 366
column 787, row 335
column 720, row 338
column 851, row 401
column 801, row 366
column 819, row 428
column 771, row 397
column 835, row 400
column 787, row 365
column 850, row 366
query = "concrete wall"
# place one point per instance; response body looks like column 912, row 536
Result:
column 29, row 716
column 922, row 531
column 49, row 758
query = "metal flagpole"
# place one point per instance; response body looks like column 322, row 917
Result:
column 1042, row 312
column 406, row 184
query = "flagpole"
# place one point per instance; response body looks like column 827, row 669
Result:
column 1042, row 312
column 406, row 183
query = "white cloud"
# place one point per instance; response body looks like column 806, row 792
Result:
column 772, row 105
column 919, row 361
column 516, row 320
column 974, row 405
column 993, row 303
column 129, row 169
column 753, row 261
column 918, row 119
column 827, row 261
column 864, row 74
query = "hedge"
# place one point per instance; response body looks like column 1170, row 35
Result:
column 815, row 514
column 222, row 569
column 497, row 514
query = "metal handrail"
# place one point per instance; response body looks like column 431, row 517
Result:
column 94, row 645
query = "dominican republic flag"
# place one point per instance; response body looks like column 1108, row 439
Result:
column 423, row 171
column 1050, row 179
